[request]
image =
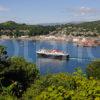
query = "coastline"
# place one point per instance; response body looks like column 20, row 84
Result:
column 93, row 41
column 40, row 37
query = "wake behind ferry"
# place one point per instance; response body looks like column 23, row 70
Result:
column 52, row 54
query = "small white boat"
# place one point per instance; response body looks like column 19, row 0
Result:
column 52, row 54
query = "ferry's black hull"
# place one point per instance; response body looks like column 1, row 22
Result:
column 66, row 57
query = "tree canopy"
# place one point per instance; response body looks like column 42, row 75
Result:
column 15, row 29
column 16, row 74
column 93, row 69
column 64, row 87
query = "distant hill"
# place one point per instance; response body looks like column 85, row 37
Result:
column 79, row 29
column 13, row 28
column 8, row 23
column 73, row 28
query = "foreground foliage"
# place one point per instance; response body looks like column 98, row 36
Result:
column 93, row 69
column 64, row 87
column 19, row 73
column 16, row 74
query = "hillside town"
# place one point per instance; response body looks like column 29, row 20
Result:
column 85, row 34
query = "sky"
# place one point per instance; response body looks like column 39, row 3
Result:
column 49, row 11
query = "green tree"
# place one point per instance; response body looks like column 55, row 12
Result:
column 93, row 69
column 3, row 56
column 2, row 49
column 62, row 86
column 20, row 71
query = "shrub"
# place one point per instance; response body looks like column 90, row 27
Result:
column 2, row 49
column 3, row 54
column 6, row 94
column 64, row 87
column 7, row 97
column 20, row 71
column 93, row 69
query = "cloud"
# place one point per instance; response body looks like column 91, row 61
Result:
column 81, row 11
column 87, row 10
column 2, row 8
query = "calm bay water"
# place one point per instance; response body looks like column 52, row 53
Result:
column 79, row 56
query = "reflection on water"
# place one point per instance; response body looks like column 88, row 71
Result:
column 51, row 61
column 47, row 65
column 79, row 56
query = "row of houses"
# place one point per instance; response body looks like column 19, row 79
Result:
column 86, row 42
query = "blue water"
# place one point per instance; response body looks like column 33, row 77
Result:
column 79, row 56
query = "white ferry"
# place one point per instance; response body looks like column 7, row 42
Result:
column 52, row 54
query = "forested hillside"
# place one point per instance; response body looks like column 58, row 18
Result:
column 80, row 29
column 11, row 28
